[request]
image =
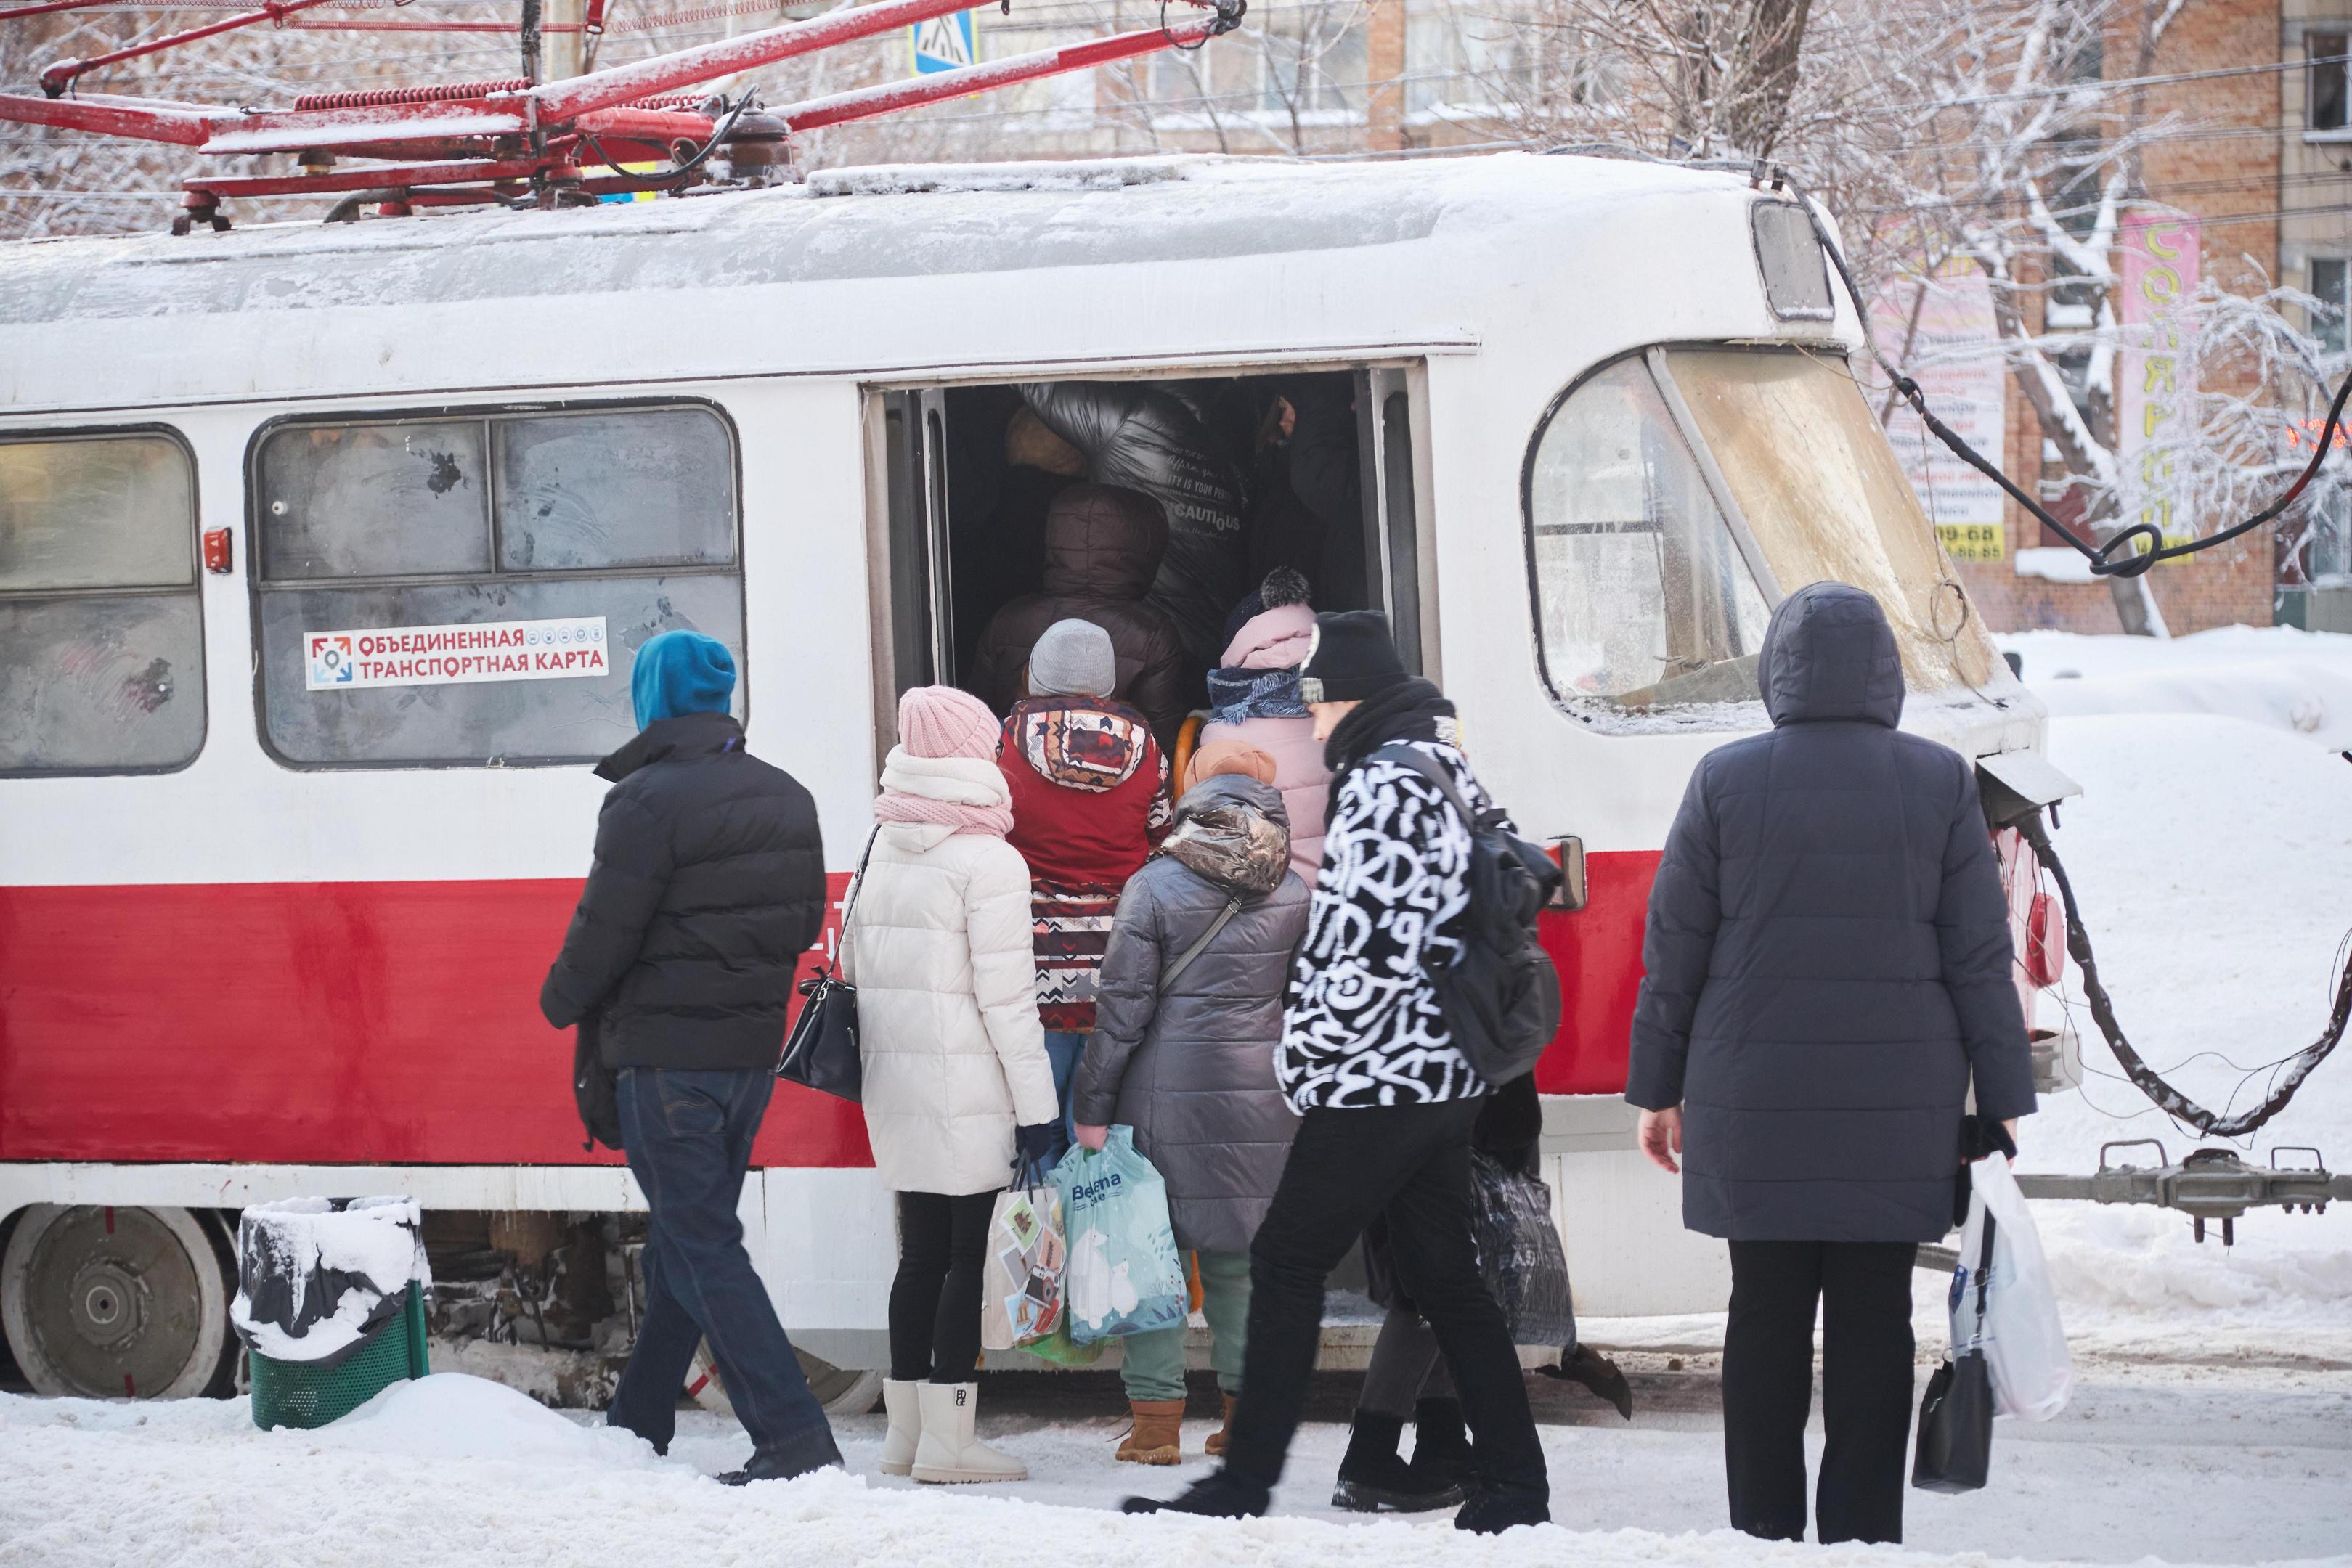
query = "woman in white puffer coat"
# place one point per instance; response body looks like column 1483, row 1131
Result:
column 1254, row 699
column 940, row 947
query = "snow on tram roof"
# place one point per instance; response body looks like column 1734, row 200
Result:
column 899, row 221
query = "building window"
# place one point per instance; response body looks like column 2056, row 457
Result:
column 471, row 589
column 2327, row 286
column 101, row 631
column 1313, row 62
column 2325, row 104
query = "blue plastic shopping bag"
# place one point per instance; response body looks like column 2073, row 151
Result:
column 1123, row 1275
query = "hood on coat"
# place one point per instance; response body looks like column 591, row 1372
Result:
column 1277, row 639
column 1102, row 542
column 916, row 838
column 1829, row 654
column 690, row 735
column 1077, row 742
column 1211, row 758
column 1233, row 830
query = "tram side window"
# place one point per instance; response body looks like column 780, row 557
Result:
column 1643, row 599
column 472, row 589
column 101, row 633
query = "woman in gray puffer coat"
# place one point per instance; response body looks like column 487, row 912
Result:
column 1189, row 1063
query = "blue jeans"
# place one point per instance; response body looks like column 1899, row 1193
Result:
column 1064, row 1049
column 689, row 1136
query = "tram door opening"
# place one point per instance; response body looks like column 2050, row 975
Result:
column 1313, row 471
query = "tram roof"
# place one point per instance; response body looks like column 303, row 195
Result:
column 898, row 221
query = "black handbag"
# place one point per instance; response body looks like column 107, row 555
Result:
column 1956, row 1417
column 595, row 1088
column 821, row 1051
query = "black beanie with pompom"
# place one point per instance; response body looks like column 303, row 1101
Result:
column 1283, row 585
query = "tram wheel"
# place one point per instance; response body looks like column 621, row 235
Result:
column 841, row 1390
column 110, row 1302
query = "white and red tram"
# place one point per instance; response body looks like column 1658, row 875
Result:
column 272, row 925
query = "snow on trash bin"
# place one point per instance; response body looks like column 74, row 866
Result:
column 329, row 1304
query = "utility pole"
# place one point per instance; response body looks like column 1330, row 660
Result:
column 566, row 47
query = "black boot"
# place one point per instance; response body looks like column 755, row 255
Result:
column 1503, row 1508
column 1597, row 1372
column 1224, row 1494
column 1441, row 1445
column 1373, row 1479
column 811, row 1451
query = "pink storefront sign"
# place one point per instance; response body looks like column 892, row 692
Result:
column 2156, row 368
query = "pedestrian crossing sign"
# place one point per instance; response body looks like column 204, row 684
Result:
column 945, row 43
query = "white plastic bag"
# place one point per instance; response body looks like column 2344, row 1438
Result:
column 1022, row 1267
column 2024, row 1342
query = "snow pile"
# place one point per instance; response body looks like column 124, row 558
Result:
column 448, row 1416
column 2212, row 858
column 355, row 1255
column 2274, row 675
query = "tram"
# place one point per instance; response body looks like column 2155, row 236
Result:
column 284, row 857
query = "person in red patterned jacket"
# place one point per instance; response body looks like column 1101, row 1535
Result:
column 1090, row 802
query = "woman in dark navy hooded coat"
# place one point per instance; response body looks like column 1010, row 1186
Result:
column 1828, row 974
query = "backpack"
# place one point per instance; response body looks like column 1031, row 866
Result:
column 1501, row 997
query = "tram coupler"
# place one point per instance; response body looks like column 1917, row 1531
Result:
column 2207, row 1185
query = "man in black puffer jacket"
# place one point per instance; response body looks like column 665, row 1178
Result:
column 709, row 884
column 1828, row 971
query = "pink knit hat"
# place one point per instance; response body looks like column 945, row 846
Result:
column 940, row 721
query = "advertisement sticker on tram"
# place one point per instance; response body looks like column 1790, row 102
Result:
column 454, row 656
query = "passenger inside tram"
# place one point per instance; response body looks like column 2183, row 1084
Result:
column 1156, row 506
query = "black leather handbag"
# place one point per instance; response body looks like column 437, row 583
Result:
column 1955, row 1450
column 821, row 1051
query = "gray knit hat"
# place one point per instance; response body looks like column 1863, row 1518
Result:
column 1073, row 657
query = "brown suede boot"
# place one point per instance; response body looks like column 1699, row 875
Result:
column 1216, row 1444
column 1157, row 1437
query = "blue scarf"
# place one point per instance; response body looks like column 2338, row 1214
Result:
column 1239, row 692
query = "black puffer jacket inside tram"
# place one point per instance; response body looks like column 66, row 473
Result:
column 707, row 887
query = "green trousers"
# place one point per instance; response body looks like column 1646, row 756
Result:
column 1151, row 1366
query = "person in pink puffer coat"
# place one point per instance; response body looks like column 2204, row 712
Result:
column 1253, row 698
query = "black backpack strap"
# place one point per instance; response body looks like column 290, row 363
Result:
column 1414, row 759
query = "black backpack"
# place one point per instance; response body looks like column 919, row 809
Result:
column 1502, row 995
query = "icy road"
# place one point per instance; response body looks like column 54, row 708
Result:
column 2212, row 1420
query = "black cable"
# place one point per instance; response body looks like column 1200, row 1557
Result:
column 2105, row 560
column 2168, row 1100
column 718, row 135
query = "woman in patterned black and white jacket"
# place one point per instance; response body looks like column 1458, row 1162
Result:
column 1386, row 1102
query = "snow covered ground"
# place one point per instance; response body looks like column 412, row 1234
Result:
column 455, row 1470
column 2212, row 851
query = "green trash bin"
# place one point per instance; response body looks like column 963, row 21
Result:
column 299, row 1263
column 306, row 1394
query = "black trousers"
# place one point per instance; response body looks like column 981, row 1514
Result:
column 935, row 1299
column 1412, row 1163
column 1863, row 1292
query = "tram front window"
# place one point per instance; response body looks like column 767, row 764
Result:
column 1644, row 598
column 1673, row 495
column 1810, row 469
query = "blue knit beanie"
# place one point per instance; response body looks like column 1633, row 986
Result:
column 681, row 672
